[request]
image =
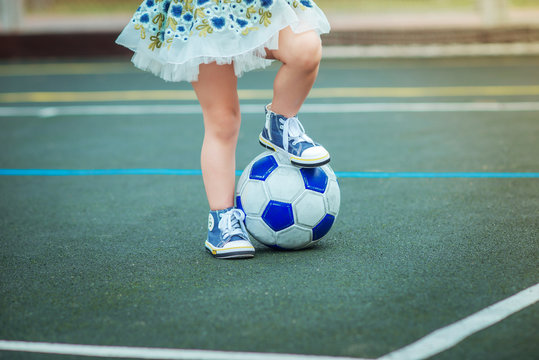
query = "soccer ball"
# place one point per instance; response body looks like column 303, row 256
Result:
column 287, row 207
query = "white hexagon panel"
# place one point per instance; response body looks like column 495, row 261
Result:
column 285, row 184
column 295, row 237
column 260, row 230
column 333, row 197
column 254, row 197
column 309, row 208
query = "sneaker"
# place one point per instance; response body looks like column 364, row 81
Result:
column 287, row 136
column 227, row 237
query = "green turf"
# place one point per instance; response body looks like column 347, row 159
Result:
column 119, row 260
column 334, row 73
column 385, row 142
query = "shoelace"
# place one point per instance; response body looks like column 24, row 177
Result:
column 293, row 129
column 231, row 224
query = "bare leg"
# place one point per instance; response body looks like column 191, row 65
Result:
column 300, row 55
column 216, row 90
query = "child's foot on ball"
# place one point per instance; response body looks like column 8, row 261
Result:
column 287, row 136
column 227, row 237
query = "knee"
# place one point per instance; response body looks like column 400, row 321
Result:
column 307, row 53
column 222, row 124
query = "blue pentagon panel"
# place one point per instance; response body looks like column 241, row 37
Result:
column 238, row 203
column 263, row 168
column 320, row 230
column 315, row 179
column 278, row 215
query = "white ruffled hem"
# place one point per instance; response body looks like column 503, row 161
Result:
column 188, row 71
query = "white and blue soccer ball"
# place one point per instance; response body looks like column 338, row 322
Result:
column 287, row 207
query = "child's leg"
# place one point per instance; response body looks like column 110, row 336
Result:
column 217, row 93
column 300, row 55
column 216, row 90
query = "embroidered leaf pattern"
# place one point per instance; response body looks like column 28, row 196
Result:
column 249, row 29
column 158, row 20
column 156, row 42
column 171, row 23
column 142, row 31
column 264, row 17
column 204, row 29
column 250, row 10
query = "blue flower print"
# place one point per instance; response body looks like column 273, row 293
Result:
column 149, row 3
column 242, row 23
column 218, row 23
column 266, row 3
column 306, row 3
column 188, row 17
column 202, row 2
column 177, row 10
column 145, row 19
column 249, row 2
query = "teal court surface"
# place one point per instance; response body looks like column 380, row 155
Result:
column 434, row 253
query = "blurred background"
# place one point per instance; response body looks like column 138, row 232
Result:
column 354, row 22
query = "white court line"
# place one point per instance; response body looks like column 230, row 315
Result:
column 51, row 111
column 432, row 344
column 449, row 336
column 151, row 353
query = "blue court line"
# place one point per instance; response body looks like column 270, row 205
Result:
column 195, row 172
column 90, row 172
column 462, row 175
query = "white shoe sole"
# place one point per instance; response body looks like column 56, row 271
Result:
column 236, row 252
column 298, row 161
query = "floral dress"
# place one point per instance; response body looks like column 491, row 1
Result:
column 171, row 38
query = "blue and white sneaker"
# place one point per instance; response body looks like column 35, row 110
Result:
column 287, row 136
column 227, row 237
